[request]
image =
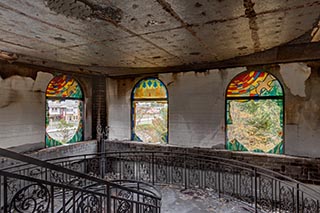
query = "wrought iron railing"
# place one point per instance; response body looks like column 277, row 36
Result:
column 38, row 186
column 262, row 189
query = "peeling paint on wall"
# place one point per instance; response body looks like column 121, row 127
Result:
column 22, row 106
column 7, row 93
column 9, row 89
column 169, row 79
column 202, row 73
column 197, row 107
column 304, row 136
column 21, row 112
column 5, row 96
column 228, row 74
column 294, row 76
column 42, row 81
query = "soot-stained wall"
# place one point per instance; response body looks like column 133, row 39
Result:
column 22, row 108
column 197, row 106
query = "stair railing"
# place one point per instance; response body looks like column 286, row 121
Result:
column 38, row 186
column 261, row 189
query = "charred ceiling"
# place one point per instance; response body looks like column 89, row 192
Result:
column 111, row 36
column 84, row 9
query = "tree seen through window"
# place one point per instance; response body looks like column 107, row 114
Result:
column 150, row 111
column 254, row 119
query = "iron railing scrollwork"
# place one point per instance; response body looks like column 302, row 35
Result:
column 127, row 204
column 261, row 189
column 36, row 186
column 31, row 198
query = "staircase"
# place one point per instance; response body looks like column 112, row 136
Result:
column 32, row 185
column 124, row 182
column 262, row 190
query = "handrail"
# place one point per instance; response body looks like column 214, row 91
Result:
column 42, row 197
column 112, row 196
column 36, row 195
column 46, row 164
column 280, row 185
column 256, row 175
column 231, row 161
column 43, row 191
column 120, row 181
column 59, row 185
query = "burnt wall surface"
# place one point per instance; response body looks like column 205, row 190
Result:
column 306, row 170
column 197, row 106
column 22, row 107
column 99, row 104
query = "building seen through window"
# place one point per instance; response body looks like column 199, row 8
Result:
column 150, row 111
column 64, row 106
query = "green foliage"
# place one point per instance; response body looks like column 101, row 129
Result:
column 151, row 121
column 65, row 132
column 263, row 115
column 256, row 124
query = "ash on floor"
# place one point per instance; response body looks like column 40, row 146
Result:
column 177, row 200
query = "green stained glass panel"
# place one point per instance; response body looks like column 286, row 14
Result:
column 149, row 89
column 255, row 125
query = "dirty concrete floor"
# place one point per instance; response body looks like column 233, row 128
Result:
column 177, row 200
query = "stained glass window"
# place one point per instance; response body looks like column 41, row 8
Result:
column 150, row 111
column 64, row 107
column 254, row 113
column 63, row 87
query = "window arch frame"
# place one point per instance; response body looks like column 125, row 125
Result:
column 133, row 99
column 282, row 115
column 82, row 99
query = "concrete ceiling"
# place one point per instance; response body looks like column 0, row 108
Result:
column 150, row 34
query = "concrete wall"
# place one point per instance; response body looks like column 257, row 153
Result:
column 303, row 116
column 197, row 107
column 22, row 109
column 118, row 107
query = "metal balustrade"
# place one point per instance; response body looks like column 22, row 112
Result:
column 38, row 186
column 262, row 189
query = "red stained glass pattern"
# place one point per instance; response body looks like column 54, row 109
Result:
column 254, row 83
column 64, row 87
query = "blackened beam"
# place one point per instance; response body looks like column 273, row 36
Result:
column 304, row 52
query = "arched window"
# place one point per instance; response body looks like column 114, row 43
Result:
column 254, row 113
column 64, row 109
column 150, row 111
